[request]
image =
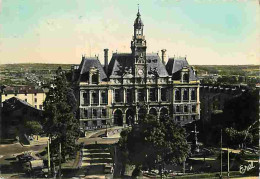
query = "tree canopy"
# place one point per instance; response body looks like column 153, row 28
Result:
column 152, row 143
column 33, row 127
column 60, row 123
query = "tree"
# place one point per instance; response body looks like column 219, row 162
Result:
column 235, row 138
column 242, row 111
column 33, row 127
column 60, row 122
column 152, row 143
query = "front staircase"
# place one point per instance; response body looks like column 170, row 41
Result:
column 97, row 159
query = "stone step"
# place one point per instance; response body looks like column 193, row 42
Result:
column 84, row 164
column 90, row 158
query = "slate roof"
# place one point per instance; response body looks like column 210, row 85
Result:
column 120, row 62
column 22, row 90
column 16, row 103
column 86, row 64
column 156, row 63
column 175, row 64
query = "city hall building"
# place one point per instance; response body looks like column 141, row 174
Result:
column 133, row 84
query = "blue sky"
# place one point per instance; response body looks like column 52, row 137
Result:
column 60, row 31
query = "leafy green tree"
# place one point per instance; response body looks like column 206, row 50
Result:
column 33, row 127
column 60, row 123
column 242, row 111
column 152, row 143
column 235, row 138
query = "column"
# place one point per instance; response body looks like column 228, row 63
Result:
column 182, row 91
column 112, row 95
column 124, row 119
column 198, row 101
column 136, row 95
column 99, row 97
column 189, row 95
column 173, row 95
column 90, row 97
column 159, row 94
column 147, row 94
column 81, row 98
column 124, row 95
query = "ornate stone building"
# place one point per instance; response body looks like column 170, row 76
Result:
column 133, row 84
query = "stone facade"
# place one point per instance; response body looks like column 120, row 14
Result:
column 133, row 84
column 30, row 94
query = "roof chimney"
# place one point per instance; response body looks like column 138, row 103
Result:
column 163, row 56
column 106, row 60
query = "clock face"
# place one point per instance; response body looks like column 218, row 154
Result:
column 140, row 72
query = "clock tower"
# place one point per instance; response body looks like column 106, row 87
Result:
column 138, row 47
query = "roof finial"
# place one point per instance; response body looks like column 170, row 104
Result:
column 138, row 13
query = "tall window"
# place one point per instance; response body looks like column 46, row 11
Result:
column 141, row 95
column 193, row 94
column 94, row 113
column 35, row 100
column 185, row 95
column 177, row 109
column 129, row 98
column 94, row 79
column 104, row 112
column 85, row 98
column 85, row 113
column 186, row 77
column 177, row 95
column 193, row 108
column 185, row 108
column 104, row 97
column 164, row 94
column 95, row 97
column 152, row 95
column 118, row 95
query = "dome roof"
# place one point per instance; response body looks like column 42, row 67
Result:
column 138, row 20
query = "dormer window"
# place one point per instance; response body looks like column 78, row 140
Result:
column 95, row 79
column 186, row 77
column 93, row 75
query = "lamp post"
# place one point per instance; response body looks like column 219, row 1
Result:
column 221, row 155
column 106, row 130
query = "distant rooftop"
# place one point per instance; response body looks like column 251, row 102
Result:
column 22, row 90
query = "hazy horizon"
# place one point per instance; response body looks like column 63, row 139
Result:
column 207, row 32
